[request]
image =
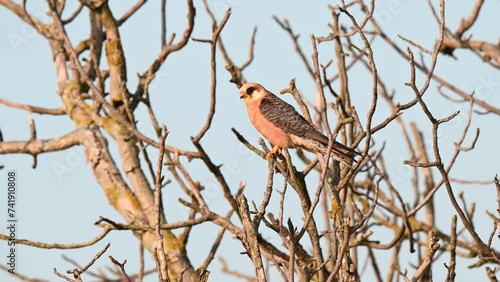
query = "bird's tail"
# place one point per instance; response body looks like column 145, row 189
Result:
column 342, row 153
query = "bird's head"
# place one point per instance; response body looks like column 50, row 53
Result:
column 251, row 92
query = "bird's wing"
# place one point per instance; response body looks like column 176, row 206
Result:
column 284, row 116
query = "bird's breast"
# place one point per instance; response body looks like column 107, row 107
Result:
column 270, row 131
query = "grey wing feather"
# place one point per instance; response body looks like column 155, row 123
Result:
column 284, row 116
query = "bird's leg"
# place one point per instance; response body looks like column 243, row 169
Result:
column 275, row 151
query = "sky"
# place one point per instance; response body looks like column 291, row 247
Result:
column 59, row 200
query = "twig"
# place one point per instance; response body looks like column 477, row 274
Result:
column 77, row 272
column 247, row 144
column 33, row 109
column 418, row 46
column 450, row 276
column 466, row 24
column 373, row 68
column 130, row 12
column 267, row 194
column 359, row 27
column 41, row 245
column 292, row 89
column 123, row 273
column 140, row 273
column 181, row 275
column 284, row 24
column 235, row 273
column 31, row 123
column 195, row 189
column 213, row 85
column 342, row 250
column 491, row 274
column 251, row 239
column 218, row 239
column 158, row 208
column 433, row 247
column 250, row 50
column 165, row 226
column 163, row 19
column 435, row 125
column 149, row 74
column 402, row 274
column 215, row 170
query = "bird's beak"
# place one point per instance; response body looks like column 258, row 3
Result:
column 243, row 96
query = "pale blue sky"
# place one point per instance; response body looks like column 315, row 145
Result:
column 60, row 206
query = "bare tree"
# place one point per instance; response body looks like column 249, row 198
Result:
column 342, row 208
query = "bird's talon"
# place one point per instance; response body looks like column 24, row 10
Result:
column 275, row 151
column 269, row 155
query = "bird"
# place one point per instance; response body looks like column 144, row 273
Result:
column 284, row 127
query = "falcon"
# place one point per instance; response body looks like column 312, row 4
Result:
column 284, row 127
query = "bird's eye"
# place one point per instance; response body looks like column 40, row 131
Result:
column 250, row 90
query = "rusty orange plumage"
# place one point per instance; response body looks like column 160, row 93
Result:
column 284, row 127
